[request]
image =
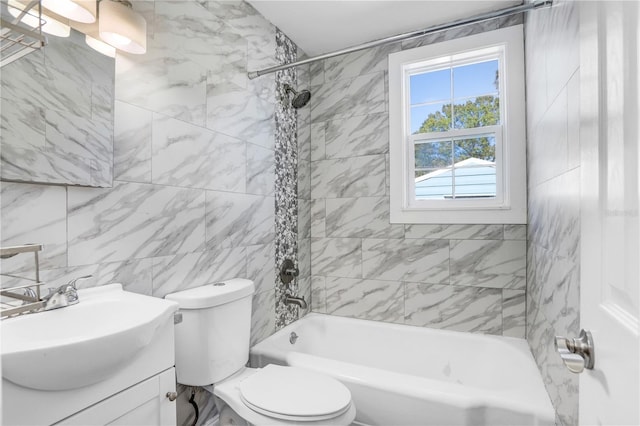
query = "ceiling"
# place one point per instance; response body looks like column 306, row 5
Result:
column 324, row 26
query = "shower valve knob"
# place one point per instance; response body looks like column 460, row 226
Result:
column 288, row 271
column 294, row 272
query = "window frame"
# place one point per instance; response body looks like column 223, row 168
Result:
column 509, row 206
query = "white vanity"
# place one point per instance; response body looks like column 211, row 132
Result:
column 108, row 359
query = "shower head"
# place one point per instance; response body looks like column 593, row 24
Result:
column 299, row 99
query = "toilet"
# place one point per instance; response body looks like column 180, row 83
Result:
column 212, row 348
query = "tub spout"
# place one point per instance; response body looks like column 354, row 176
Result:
column 293, row 300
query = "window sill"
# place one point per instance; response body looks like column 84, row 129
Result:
column 498, row 216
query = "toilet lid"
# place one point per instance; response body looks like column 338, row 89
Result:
column 292, row 393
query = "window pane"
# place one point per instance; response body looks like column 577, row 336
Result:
column 433, row 155
column 430, row 86
column 431, row 118
column 475, row 167
column 476, row 112
column 475, row 182
column 433, row 170
column 475, row 79
column 434, row 184
column 482, row 149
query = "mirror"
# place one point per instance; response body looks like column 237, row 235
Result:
column 57, row 115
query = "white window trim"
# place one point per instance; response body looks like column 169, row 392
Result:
column 512, row 208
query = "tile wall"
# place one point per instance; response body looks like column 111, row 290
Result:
column 193, row 197
column 553, row 156
column 57, row 115
column 304, row 185
column 457, row 277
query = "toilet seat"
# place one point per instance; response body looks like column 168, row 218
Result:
column 228, row 394
column 291, row 393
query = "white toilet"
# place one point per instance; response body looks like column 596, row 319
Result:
column 212, row 348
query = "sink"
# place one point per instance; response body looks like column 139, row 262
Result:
column 82, row 344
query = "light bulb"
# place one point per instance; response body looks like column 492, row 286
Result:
column 77, row 10
column 100, row 46
column 122, row 27
column 115, row 39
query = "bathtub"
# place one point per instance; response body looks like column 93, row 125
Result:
column 405, row 375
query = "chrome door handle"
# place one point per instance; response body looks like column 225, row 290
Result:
column 577, row 354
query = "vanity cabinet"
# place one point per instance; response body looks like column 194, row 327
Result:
column 144, row 404
column 119, row 372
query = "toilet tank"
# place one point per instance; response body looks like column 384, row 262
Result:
column 212, row 341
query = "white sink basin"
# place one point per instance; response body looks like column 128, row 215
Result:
column 81, row 344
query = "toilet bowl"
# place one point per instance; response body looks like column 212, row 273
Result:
column 212, row 348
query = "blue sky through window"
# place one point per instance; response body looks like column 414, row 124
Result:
column 431, row 86
column 434, row 88
column 474, row 79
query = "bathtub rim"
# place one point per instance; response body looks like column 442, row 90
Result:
column 441, row 391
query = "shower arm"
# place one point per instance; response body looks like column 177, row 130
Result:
column 407, row 36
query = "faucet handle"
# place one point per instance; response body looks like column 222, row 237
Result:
column 73, row 282
column 288, row 271
column 294, row 272
column 70, row 290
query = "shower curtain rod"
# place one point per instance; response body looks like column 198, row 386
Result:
column 406, row 36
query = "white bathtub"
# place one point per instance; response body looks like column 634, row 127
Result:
column 404, row 375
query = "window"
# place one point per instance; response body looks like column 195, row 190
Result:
column 457, row 131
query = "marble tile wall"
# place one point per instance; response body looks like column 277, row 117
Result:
column 457, row 277
column 194, row 163
column 57, row 115
column 552, row 48
column 304, row 186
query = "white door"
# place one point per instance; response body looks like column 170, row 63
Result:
column 610, row 235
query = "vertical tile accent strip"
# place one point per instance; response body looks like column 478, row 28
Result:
column 286, row 187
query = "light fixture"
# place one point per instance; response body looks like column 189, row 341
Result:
column 49, row 25
column 77, row 10
column 122, row 27
column 100, row 46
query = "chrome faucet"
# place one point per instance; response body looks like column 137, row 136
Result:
column 65, row 295
column 293, row 300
